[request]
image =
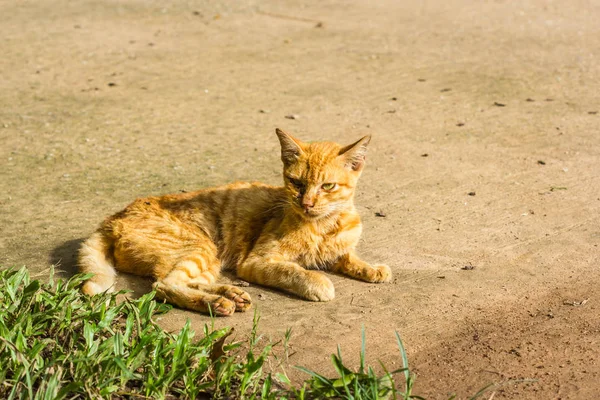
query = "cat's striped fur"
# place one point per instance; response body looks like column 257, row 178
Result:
column 282, row 237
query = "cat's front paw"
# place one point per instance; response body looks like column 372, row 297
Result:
column 380, row 273
column 318, row 287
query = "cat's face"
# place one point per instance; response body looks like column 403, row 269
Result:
column 320, row 177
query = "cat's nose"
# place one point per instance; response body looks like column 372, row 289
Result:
column 307, row 203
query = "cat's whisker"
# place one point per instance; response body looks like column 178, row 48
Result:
column 279, row 205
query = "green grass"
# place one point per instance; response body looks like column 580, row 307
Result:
column 56, row 343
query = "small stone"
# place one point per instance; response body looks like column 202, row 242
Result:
column 515, row 352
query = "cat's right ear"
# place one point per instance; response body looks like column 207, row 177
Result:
column 291, row 148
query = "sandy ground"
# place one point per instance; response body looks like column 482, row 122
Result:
column 485, row 161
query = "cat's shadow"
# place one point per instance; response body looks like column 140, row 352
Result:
column 64, row 258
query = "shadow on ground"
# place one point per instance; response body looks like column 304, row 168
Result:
column 64, row 258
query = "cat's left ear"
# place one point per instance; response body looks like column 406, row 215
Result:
column 355, row 154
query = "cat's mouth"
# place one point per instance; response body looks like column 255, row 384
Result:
column 312, row 214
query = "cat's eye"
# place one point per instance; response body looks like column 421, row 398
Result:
column 328, row 186
column 298, row 184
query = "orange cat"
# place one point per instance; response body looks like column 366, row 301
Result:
column 273, row 236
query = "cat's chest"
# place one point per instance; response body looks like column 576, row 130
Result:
column 315, row 251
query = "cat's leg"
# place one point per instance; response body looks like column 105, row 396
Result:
column 183, row 296
column 191, row 285
column 287, row 276
column 350, row 265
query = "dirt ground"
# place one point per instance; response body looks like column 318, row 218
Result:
column 484, row 165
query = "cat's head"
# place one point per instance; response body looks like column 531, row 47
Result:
column 320, row 177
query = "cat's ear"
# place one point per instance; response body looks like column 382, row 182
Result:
column 355, row 154
column 291, row 148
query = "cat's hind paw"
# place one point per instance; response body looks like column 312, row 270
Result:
column 242, row 300
column 221, row 307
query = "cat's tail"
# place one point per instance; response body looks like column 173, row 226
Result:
column 95, row 258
